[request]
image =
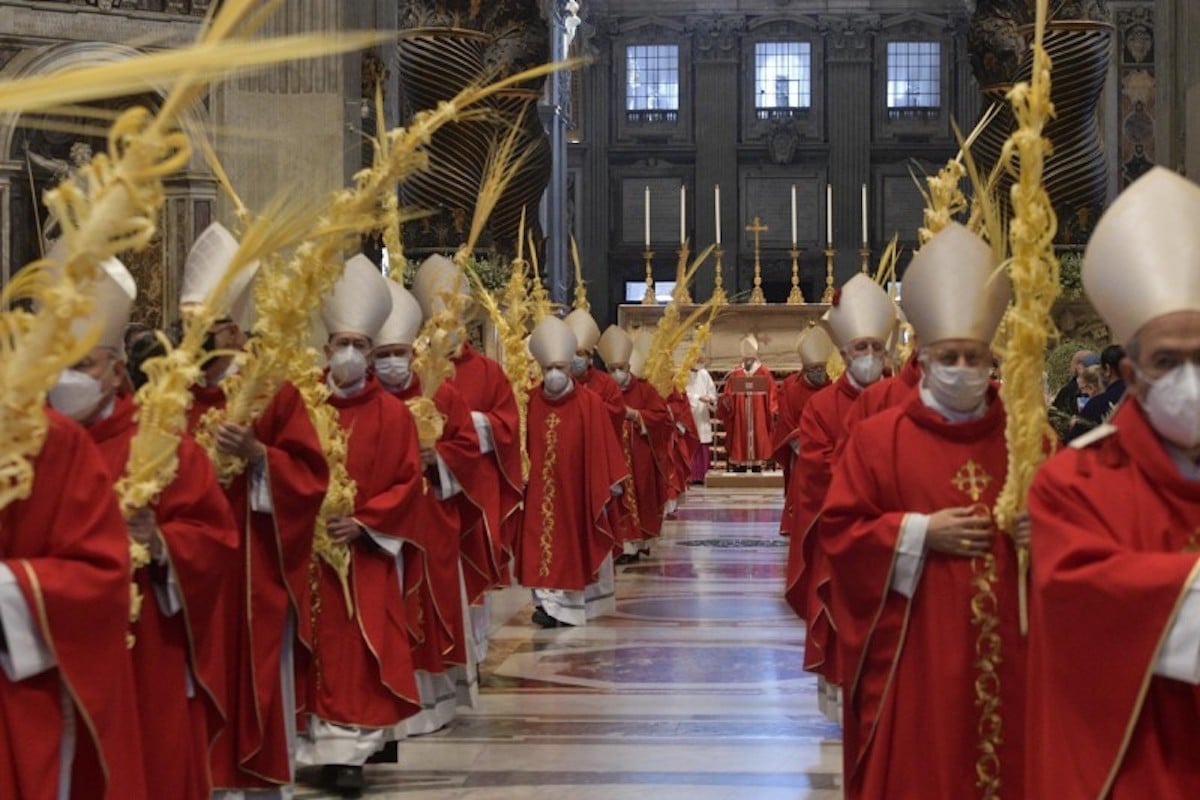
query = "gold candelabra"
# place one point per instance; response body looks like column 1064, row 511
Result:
column 795, row 296
column 865, row 255
column 681, row 294
column 828, row 296
column 649, row 299
column 756, row 296
column 718, row 281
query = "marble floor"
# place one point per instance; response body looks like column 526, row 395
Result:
column 693, row 690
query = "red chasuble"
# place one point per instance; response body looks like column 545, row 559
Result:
column 820, row 431
column 362, row 673
column 486, row 389
column 912, row 712
column 742, row 414
column 276, row 550
column 684, row 442
column 882, row 395
column 1114, row 552
column 68, row 549
column 444, row 538
column 575, row 461
column 794, row 395
column 603, row 385
column 646, row 443
column 201, row 541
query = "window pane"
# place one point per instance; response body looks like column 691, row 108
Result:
column 652, row 80
column 782, row 77
column 914, row 71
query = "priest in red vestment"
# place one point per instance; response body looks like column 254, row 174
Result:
column 859, row 323
column 747, row 409
column 446, row 675
column 275, row 501
column 1114, row 630
column 922, row 585
column 360, row 683
column 564, row 550
column 488, row 393
column 815, row 349
column 684, row 441
column 182, row 637
column 645, row 441
column 68, row 703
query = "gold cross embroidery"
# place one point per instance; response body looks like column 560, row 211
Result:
column 971, row 480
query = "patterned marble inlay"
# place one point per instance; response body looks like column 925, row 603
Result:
column 692, row 690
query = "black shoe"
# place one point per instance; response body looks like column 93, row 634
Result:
column 644, row 553
column 625, row 559
column 390, row 754
column 544, row 620
column 349, row 781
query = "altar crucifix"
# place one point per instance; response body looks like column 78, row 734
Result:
column 756, row 296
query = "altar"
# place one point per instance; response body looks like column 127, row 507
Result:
column 775, row 325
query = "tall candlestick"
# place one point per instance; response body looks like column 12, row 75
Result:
column 646, row 206
column 829, row 214
column 793, row 216
column 717, row 209
column 864, row 215
column 682, row 214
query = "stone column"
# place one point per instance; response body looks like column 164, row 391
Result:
column 717, row 64
column 849, row 52
column 592, row 152
column 5, row 230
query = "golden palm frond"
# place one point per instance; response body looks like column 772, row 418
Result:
column 581, row 298
column 669, row 332
column 1033, row 268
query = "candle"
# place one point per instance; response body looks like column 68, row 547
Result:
column 646, row 207
column 717, row 209
column 793, row 216
column 682, row 214
column 829, row 214
column 864, row 215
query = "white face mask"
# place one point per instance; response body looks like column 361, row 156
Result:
column 960, row 389
column 579, row 365
column 621, row 376
column 866, row 369
column 1173, row 405
column 394, row 370
column 556, row 381
column 76, row 395
column 347, row 366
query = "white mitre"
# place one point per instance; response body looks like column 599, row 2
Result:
column 360, row 302
column 1143, row 260
column 953, row 289
column 861, row 310
column 552, row 342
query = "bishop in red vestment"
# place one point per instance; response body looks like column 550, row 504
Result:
column 275, row 501
column 858, row 323
column 1114, row 629
column 684, row 441
column 182, row 638
column 922, row 587
column 361, row 683
column 446, row 676
column 565, row 547
column 488, row 393
column 645, row 442
column 748, row 416
column 815, row 348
